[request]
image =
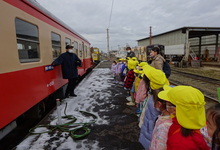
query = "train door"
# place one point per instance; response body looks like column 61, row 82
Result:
column 83, row 56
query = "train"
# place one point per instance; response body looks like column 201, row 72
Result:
column 31, row 38
column 95, row 54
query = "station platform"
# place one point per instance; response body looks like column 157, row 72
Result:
column 116, row 126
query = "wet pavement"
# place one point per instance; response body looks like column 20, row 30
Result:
column 115, row 129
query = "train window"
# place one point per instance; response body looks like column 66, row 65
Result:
column 80, row 50
column 75, row 45
column 56, row 44
column 68, row 41
column 88, row 51
column 27, row 41
column 86, row 54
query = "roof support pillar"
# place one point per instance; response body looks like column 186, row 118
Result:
column 186, row 45
column 216, row 47
column 200, row 43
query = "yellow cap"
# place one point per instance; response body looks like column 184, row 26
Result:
column 142, row 64
column 190, row 110
column 136, row 71
column 131, row 64
column 157, row 77
column 163, row 94
column 134, row 58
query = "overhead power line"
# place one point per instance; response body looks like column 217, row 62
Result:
column 111, row 14
column 109, row 26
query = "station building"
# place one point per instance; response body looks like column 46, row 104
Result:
column 198, row 42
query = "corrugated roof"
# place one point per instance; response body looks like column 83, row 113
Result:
column 193, row 32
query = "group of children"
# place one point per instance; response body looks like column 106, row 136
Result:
column 118, row 70
column 170, row 117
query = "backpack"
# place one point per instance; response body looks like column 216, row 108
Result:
column 166, row 69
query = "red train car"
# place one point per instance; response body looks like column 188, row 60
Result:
column 30, row 39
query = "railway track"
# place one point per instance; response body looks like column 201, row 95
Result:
column 205, row 80
column 198, row 77
column 209, row 100
column 205, row 84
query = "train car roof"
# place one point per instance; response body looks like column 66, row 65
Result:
column 54, row 18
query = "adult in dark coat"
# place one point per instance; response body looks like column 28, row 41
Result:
column 130, row 53
column 69, row 62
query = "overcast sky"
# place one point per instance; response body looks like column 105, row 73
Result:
column 131, row 19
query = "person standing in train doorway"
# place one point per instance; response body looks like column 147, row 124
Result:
column 129, row 52
column 69, row 62
column 157, row 59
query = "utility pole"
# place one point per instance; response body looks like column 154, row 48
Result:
column 118, row 47
column 108, row 41
column 150, row 36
